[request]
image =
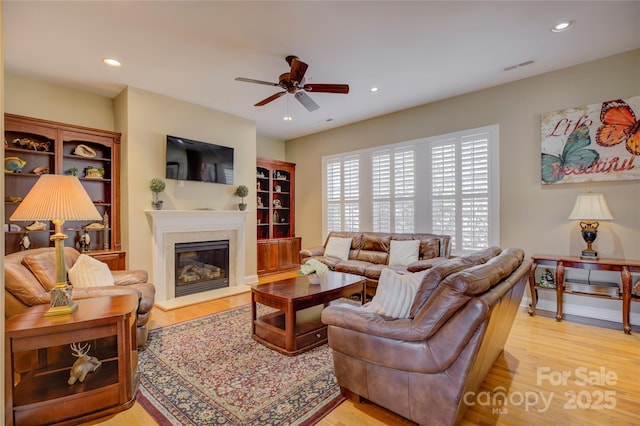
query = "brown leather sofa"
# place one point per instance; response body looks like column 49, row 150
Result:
column 30, row 274
column 424, row 367
column 369, row 254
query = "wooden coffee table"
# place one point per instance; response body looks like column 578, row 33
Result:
column 296, row 327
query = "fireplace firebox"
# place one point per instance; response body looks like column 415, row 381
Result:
column 201, row 266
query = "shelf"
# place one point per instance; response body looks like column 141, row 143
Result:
column 63, row 139
column 28, row 151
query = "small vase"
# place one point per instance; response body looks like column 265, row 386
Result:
column 157, row 205
column 242, row 206
column 314, row 279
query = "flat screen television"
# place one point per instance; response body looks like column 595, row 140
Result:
column 198, row 161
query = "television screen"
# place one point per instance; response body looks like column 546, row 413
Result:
column 198, row 161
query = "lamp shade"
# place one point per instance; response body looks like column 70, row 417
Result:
column 590, row 207
column 56, row 197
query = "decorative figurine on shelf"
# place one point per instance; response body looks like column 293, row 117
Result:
column 13, row 165
column 277, row 204
column 105, row 222
column 94, row 172
column 25, row 242
column 84, row 364
column 278, row 188
column 85, row 240
column 547, row 279
column 260, row 202
column 73, row 171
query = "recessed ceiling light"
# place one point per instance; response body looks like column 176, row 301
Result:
column 112, row 62
column 287, row 118
column 373, row 89
column 563, row 26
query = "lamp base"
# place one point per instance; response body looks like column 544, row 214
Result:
column 61, row 301
column 589, row 254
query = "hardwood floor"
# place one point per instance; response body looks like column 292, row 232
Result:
column 550, row 372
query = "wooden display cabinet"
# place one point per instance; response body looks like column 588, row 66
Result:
column 278, row 247
column 50, row 147
column 38, row 359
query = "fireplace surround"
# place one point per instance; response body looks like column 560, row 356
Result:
column 171, row 227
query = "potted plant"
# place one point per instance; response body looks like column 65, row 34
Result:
column 156, row 186
column 242, row 191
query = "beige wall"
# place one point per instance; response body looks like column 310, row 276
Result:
column 532, row 216
column 146, row 118
column 270, row 148
column 2, row 208
column 33, row 98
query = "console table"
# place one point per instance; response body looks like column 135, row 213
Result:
column 625, row 267
column 38, row 361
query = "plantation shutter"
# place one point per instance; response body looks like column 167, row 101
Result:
column 334, row 200
column 381, row 191
column 475, row 192
column 351, row 172
column 460, row 190
column 404, row 189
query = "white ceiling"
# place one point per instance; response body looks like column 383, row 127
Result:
column 416, row 52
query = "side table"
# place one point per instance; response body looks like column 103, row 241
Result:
column 625, row 267
column 38, row 359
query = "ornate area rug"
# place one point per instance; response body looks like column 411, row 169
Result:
column 209, row 371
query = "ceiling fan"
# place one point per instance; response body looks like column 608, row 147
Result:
column 293, row 82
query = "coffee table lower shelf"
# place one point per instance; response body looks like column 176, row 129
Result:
column 270, row 331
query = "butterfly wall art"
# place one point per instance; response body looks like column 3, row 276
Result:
column 598, row 142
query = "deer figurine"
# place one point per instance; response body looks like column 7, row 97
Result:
column 84, row 364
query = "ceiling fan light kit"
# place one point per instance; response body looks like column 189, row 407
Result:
column 293, row 82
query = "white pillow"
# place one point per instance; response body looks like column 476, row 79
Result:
column 403, row 252
column 338, row 247
column 395, row 293
column 89, row 272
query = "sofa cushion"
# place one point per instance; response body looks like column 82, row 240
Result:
column 338, row 247
column 42, row 265
column 373, row 271
column 403, row 252
column 429, row 248
column 395, row 293
column 351, row 267
column 376, row 242
column 90, row 272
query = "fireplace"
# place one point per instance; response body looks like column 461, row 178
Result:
column 172, row 227
column 201, row 266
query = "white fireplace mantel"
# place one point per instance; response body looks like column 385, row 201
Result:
column 169, row 227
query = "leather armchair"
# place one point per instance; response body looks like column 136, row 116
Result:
column 422, row 366
column 30, row 274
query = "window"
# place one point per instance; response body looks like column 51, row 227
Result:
column 454, row 191
column 342, row 191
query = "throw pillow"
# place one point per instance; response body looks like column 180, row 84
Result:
column 338, row 247
column 395, row 293
column 90, row 272
column 403, row 252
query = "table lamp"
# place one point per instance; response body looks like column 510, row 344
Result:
column 589, row 209
column 57, row 198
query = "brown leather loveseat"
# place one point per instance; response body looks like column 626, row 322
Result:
column 426, row 366
column 30, row 274
column 370, row 251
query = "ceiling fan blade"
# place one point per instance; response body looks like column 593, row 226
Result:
column 250, row 80
column 327, row 88
column 298, row 68
column 270, row 98
column 306, row 101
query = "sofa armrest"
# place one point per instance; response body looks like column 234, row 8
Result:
column 421, row 265
column 129, row 277
column 357, row 319
column 313, row 251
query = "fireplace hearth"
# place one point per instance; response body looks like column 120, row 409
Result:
column 201, row 266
